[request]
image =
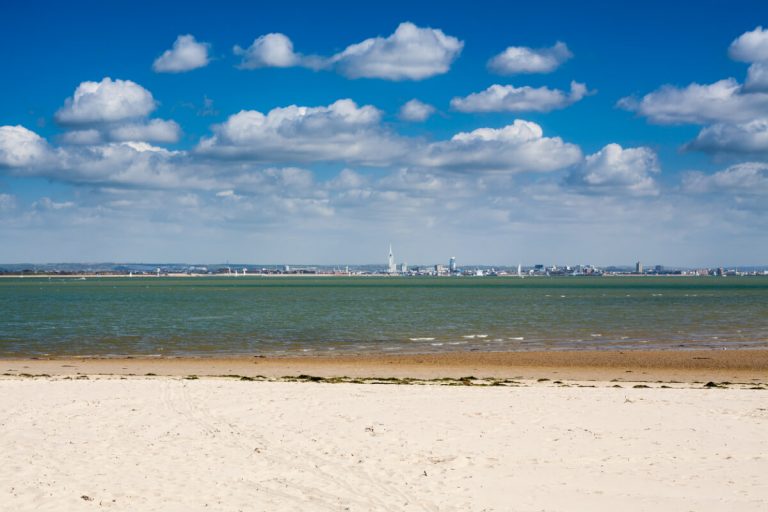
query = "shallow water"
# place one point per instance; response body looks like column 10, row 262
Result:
column 306, row 315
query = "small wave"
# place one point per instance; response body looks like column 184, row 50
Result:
column 437, row 344
column 421, row 339
column 517, row 338
column 473, row 336
column 594, row 335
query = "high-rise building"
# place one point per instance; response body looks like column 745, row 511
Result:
column 452, row 264
column 638, row 268
column 391, row 267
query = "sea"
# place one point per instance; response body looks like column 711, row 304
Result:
column 257, row 315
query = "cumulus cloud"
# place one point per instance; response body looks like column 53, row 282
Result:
column 155, row 130
column 750, row 137
column 346, row 132
column 507, row 98
column 750, row 46
column 270, row 50
column 757, row 77
column 20, row 147
column 113, row 111
column 185, row 55
column 722, row 101
column 521, row 59
column 106, row 102
column 410, row 53
column 618, row 170
column 132, row 164
column 734, row 115
column 753, row 47
column 341, row 131
column 746, row 178
column 515, row 148
column 416, row 111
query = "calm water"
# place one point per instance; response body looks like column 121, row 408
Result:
column 308, row 315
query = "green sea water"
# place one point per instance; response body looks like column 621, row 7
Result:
column 309, row 315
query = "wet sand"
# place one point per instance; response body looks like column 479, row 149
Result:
column 629, row 366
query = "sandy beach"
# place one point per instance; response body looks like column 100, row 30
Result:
column 530, row 432
column 168, row 443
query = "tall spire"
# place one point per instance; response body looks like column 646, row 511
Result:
column 391, row 268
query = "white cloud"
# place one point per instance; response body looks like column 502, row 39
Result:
column 735, row 115
column 753, row 47
column 20, row 147
column 416, row 111
column 106, row 101
column 128, row 164
column 757, row 77
column 516, row 148
column 750, row 138
column 722, row 101
column 410, row 53
column 342, row 131
column 750, row 46
column 750, row 178
column 156, row 130
column 185, row 55
column 614, row 169
column 507, row 98
column 346, row 132
column 521, row 59
column 269, row 50
column 113, row 111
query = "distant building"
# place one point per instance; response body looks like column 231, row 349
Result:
column 391, row 267
column 404, row 268
column 638, row 268
column 452, row 264
column 659, row 269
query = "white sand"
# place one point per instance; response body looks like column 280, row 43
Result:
column 168, row 444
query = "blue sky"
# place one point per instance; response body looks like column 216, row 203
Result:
column 627, row 141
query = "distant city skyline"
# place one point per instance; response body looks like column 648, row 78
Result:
column 497, row 133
